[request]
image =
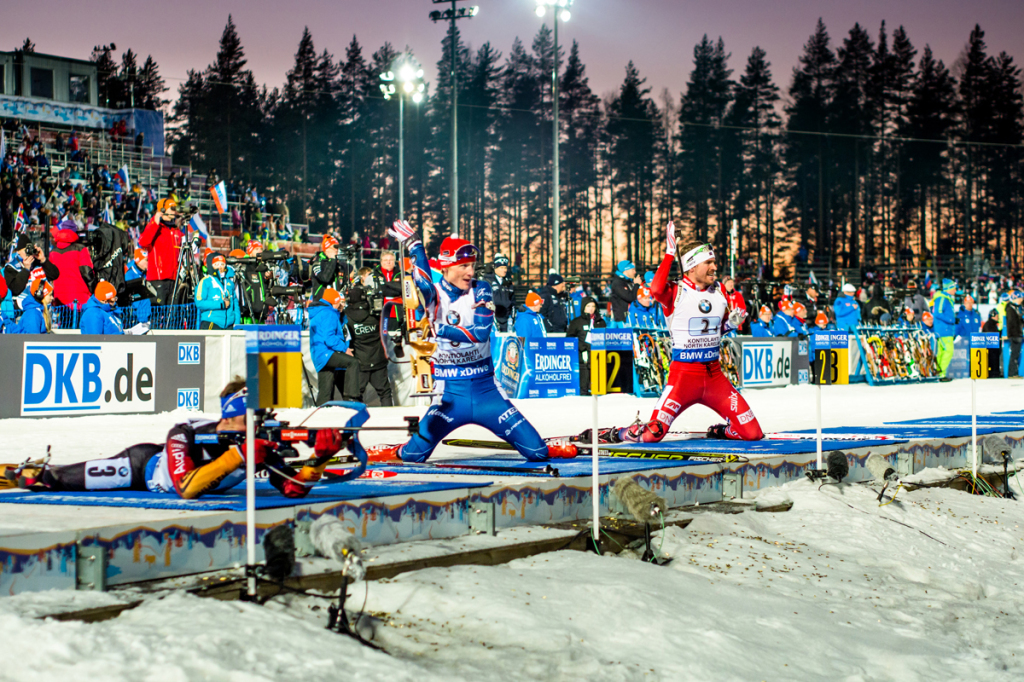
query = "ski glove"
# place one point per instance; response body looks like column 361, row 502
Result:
column 736, row 317
column 403, row 232
column 261, row 449
column 328, row 443
column 670, row 239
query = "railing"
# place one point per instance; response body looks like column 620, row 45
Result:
column 165, row 317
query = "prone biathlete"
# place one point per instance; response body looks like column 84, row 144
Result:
column 698, row 315
column 181, row 466
column 461, row 313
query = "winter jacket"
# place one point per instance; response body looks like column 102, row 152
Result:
column 944, row 315
column 786, row 325
column 623, row 294
column 530, row 325
column 16, row 276
column 8, row 326
column 142, row 305
column 967, row 322
column 214, row 291
column 847, row 311
column 327, row 334
column 760, row 330
column 99, row 318
column 74, row 261
column 363, row 327
column 645, row 318
column 1013, row 321
column 163, row 243
column 556, row 319
column 111, row 249
column 581, row 325
column 504, row 299
column 33, row 320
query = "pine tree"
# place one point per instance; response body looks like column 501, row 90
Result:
column 107, row 82
column 150, row 86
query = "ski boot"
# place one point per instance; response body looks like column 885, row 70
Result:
column 608, row 435
column 561, row 448
column 651, row 432
column 384, row 454
column 717, row 431
column 28, row 475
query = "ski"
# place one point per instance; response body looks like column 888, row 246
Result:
column 635, row 454
column 440, row 467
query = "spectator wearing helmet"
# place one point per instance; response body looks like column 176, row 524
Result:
column 216, row 297
column 140, row 294
column 162, row 240
column 98, row 314
column 529, row 321
column 625, row 282
column 325, row 268
column 36, row 318
column 256, row 276
column 765, row 323
column 644, row 312
column 329, row 347
column 504, row 295
column 72, row 258
column 363, row 326
column 556, row 318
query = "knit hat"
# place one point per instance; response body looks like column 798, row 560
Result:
column 533, row 299
column 948, row 284
column 21, row 241
column 41, row 284
column 643, row 292
column 252, row 245
column 821, row 318
column 648, row 277
column 765, row 309
column 624, row 265
column 332, row 297
column 554, row 279
column 455, row 251
column 212, row 259
column 140, row 255
column 786, row 304
column 926, row 318
column 236, row 253
column 105, row 292
column 800, row 310
column 500, row 259
column 328, row 242
column 849, row 288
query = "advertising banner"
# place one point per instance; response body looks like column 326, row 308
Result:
column 508, row 363
column 551, row 369
column 767, row 363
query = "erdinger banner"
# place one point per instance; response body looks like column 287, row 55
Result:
column 88, row 378
column 551, row 369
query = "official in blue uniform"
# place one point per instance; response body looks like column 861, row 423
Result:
column 968, row 319
column 98, row 313
column 529, row 321
column 329, row 347
column 762, row 327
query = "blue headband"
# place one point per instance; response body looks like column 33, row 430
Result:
column 232, row 405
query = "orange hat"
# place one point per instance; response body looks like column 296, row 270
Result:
column 327, row 242
column 165, row 204
column 643, row 292
column 332, row 296
column 764, row 309
column 141, row 255
column 252, row 245
column 105, row 292
column 533, row 299
column 786, row 304
column 217, row 257
column 41, row 284
column 800, row 310
column 236, row 253
column 926, row 317
column 821, row 318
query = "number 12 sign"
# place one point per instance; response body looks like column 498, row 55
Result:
column 274, row 359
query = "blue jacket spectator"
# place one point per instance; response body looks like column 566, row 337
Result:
column 968, row 320
column 33, row 320
column 529, row 323
column 327, row 334
column 787, row 325
column 136, row 270
column 847, row 310
column 760, row 330
column 98, row 314
column 645, row 317
column 943, row 310
column 217, row 296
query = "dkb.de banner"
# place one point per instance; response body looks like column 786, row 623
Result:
column 538, row 368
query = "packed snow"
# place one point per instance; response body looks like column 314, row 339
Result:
column 924, row 588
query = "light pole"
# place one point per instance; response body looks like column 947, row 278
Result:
column 452, row 15
column 560, row 10
column 410, row 84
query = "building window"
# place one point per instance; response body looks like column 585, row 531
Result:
column 78, row 89
column 42, row 83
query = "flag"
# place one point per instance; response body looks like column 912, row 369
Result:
column 108, row 214
column 19, row 221
column 123, row 174
column 199, row 226
column 3, row 145
column 220, row 197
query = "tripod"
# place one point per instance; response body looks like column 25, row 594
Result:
column 187, row 276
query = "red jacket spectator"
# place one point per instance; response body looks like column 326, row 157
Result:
column 77, row 277
column 163, row 244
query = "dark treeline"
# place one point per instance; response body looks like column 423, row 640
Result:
column 875, row 152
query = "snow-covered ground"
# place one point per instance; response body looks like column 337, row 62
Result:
column 926, row 588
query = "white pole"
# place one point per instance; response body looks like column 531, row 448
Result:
column 819, row 426
column 974, row 427
column 250, row 498
column 596, row 490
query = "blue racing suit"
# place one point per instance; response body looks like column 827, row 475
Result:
column 463, row 370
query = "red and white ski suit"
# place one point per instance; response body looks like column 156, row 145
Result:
column 696, row 319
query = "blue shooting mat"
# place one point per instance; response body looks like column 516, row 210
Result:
column 267, row 497
column 567, row 468
column 902, row 432
column 1017, row 412
column 755, row 448
column 1007, row 422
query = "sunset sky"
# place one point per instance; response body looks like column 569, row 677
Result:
column 658, row 35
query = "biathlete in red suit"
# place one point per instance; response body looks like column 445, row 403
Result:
column 698, row 314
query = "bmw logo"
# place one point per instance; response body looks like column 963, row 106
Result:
column 704, row 305
column 122, row 472
column 453, row 318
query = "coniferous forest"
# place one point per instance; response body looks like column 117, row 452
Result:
column 872, row 152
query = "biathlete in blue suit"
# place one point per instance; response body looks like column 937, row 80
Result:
column 461, row 313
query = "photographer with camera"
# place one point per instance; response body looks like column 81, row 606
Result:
column 325, row 267
column 256, row 279
column 72, row 258
column 216, row 298
column 162, row 239
column 363, row 326
column 27, row 257
column 329, row 347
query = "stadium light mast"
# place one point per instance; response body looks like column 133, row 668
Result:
column 452, row 15
column 560, row 10
column 409, row 76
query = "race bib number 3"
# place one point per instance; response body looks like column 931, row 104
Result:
column 108, row 474
column 699, row 326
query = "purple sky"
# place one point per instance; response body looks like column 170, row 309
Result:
column 658, row 35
